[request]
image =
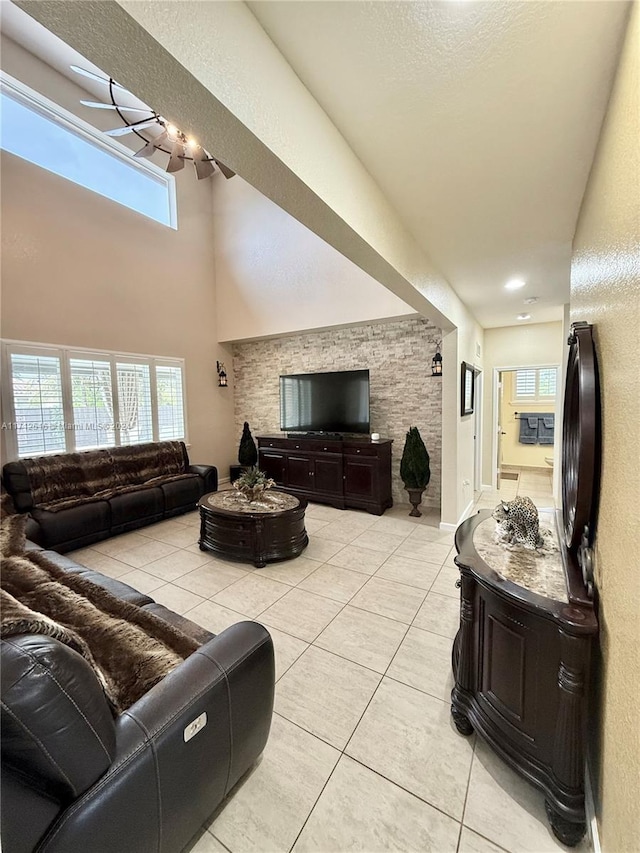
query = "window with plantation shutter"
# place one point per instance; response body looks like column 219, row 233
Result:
column 547, row 382
column 525, row 384
column 38, row 415
column 134, row 403
column 56, row 399
column 538, row 384
column 170, row 405
column 92, row 400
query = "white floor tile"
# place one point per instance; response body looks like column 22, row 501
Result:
column 388, row 598
column 363, row 637
column 407, row 737
column 359, row 810
column 267, row 810
column 325, row 695
column 505, row 809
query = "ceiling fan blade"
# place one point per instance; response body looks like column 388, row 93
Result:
column 151, row 146
column 226, row 171
column 93, row 76
column 176, row 161
column 129, row 128
column 204, row 167
column 99, row 106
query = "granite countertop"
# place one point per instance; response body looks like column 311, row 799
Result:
column 270, row 501
column 538, row 571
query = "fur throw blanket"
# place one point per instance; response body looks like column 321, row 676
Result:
column 130, row 649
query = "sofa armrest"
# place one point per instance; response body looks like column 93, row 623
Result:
column 209, row 475
column 163, row 783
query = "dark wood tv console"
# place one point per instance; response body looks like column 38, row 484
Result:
column 353, row 473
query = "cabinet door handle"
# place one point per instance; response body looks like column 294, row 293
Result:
column 357, row 451
column 324, row 448
column 297, row 447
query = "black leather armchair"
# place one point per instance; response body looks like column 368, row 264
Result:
column 76, row 780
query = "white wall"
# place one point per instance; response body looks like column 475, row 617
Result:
column 274, row 275
column 535, row 344
column 605, row 291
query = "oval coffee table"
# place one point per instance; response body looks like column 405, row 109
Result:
column 268, row 529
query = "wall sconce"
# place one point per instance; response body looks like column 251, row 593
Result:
column 436, row 362
column 222, row 374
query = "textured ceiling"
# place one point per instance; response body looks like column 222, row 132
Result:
column 479, row 121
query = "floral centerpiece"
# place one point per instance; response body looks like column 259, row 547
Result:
column 252, row 483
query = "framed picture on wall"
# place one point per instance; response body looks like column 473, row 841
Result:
column 467, row 387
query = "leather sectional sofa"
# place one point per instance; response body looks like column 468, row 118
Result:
column 75, row 499
column 77, row 780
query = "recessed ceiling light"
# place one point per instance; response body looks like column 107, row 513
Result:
column 524, row 316
column 531, row 300
column 515, row 284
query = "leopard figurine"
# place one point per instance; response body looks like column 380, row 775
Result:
column 518, row 523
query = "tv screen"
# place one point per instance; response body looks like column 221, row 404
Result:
column 325, row 402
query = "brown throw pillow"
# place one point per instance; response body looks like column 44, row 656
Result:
column 12, row 535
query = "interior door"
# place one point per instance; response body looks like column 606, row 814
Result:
column 500, row 432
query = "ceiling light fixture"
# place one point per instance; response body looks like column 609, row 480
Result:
column 169, row 139
column 515, row 284
column 524, row 317
column 531, row 300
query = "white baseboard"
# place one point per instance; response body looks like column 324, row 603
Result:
column 487, row 488
column 590, row 810
column 444, row 525
column 224, row 480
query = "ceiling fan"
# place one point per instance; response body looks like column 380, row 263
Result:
column 169, row 138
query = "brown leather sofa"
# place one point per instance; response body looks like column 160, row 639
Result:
column 100, row 493
column 76, row 780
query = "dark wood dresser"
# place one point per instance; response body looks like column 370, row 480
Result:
column 527, row 622
column 350, row 473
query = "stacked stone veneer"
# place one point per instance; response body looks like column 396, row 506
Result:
column 403, row 392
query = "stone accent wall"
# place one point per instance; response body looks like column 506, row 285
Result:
column 403, row 393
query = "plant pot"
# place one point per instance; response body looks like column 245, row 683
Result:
column 415, row 499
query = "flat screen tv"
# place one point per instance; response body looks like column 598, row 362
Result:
column 325, row 402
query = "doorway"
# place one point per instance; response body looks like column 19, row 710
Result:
column 525, row 430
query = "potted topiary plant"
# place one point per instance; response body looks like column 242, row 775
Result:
column 247, row 452
column 414, row 469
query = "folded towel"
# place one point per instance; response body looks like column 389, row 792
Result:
column 546, row 425
column 528, row 428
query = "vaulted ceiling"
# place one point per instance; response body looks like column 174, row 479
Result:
column 479, row 121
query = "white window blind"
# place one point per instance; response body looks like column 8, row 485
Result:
column 92, row 400
column 57, row 399
column 170, row 406
column 134, row 403
column 537, row 384
column 525, row 384
column 38, row 414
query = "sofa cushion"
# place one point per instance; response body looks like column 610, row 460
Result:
column 182, row 493
column 90, row 520
column 50, row 698
column 134, row 506
column 65, row 476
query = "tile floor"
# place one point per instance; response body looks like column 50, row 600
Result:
column 362, row 753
